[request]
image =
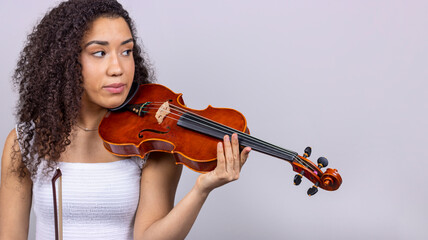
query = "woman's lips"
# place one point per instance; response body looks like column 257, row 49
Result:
column 115, row 87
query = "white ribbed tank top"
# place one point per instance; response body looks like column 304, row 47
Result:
column 99, row 200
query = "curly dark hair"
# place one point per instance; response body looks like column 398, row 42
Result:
column 49, row 79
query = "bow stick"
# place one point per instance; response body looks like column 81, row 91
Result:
column 57, row 211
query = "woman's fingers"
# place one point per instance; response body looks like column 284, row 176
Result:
column 233, row 158
column 235, row 152
column 244, row 155
column 228, row 154
column 229, row 163
column 221, row 162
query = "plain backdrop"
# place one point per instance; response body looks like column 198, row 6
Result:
column 348, row 78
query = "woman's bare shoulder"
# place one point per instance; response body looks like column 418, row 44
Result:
column 15, row 193
column 11, row 152
column 11, row 137
column 10, row 145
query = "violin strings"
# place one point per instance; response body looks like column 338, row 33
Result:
column 231, row 130
column 250, row 138
column 227, row 130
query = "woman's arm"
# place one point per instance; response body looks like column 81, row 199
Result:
column 15, row 195
column 156, row 217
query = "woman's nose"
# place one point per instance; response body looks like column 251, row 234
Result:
column 114, row 68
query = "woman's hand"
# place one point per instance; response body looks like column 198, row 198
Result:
column 229, row 163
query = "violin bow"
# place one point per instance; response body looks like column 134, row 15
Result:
column 57, row 211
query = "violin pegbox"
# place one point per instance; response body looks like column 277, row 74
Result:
column 329, row 180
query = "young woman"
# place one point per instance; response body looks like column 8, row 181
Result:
column 78, row 62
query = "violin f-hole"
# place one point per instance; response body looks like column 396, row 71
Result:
column 140, row 134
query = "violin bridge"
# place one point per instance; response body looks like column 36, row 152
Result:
column 162, row 112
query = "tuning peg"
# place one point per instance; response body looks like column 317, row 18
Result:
column 313, row 190
column 322, row 162
column 308, row 151
column 298, row 178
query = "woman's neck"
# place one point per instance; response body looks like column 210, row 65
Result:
column 90, row 117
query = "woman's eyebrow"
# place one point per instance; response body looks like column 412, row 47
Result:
column 105, row 43
column 127, row 41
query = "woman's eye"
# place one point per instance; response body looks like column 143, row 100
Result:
column 99, row 54
column 127, row 52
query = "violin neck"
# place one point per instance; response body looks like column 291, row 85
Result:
column 210, row 128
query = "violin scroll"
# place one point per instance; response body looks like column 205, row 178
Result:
column 329, row 180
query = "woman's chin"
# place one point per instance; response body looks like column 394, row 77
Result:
column 112, row 106
column 114, row 103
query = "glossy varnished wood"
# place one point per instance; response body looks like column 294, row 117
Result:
column 127, row 134
column 329, row 180
column 120, row 130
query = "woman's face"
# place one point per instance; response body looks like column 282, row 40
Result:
column 107, row 63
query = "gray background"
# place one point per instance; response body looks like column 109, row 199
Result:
column 345, row 77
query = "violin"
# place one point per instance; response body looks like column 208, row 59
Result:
column 155, row 119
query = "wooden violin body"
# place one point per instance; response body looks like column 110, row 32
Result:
column 156, row 119
column 126, row 134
